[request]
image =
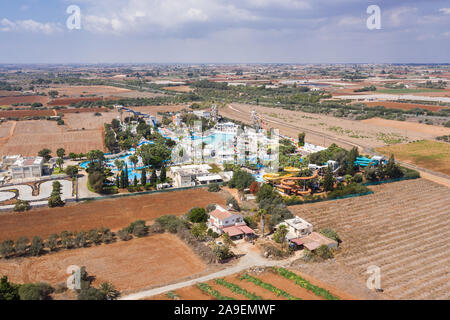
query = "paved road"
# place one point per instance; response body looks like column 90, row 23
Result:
column 46, row 188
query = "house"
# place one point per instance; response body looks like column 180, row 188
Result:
column 223, row 221
column 301, row 235
column 297, row 227
column 30, row 167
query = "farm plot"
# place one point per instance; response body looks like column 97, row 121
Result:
column 7, row 101
column 431, row 155
column 271, row 284
column 32, row 136
column 403, row 106
column 89, row 121
column 133, row 265
column 77, row 91
column 68, row 101
column 113, row 213
column 403, row 228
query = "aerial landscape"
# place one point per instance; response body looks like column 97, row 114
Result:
column 187, row 164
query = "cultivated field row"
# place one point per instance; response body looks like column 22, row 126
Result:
column 403, row 228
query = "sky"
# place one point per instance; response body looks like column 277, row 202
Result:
column 224, row 31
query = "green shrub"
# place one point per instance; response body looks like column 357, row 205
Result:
column 214, row 187
column 237, row 289
column 35, row 291
column 210, row 291
column 197, row 215
column 305, row 284
column 268, row 286
column 21, row 206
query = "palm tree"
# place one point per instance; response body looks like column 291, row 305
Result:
column 261, row 214
column 109, row 291
column 119, row 164
column 60, row 162
column 134, row 159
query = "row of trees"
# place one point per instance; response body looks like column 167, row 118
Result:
column 69, row 240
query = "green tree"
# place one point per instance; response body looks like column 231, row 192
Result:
column 144, row 177
column 154, row 177
column 61, row 152
column 134, row 160
column 72, row 171
column 80, row 239
column 280, row 234
column 37, row 245
column 6, row 248
column 52, row 242
column 109, row 291
column 94, row 236
column 21, row 246
column 328, row 183
column 197, row 215
column 21, row 206
column 91, row 293
column 135, row 181
column 35, row 291
column 301, row 139
column 45, row 153
column 67, row 239
column 163, row 174
column 60, row 162
column 231, row 201
column 8, row 291
column 96, row 180
column 53, row 93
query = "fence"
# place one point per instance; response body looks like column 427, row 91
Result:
column 143, row 193
column 375, row 183
column 328, row 199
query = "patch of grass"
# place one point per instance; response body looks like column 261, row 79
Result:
column 428, row 154
column 408, row 90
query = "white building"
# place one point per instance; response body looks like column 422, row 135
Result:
column 223, row 221
column 30, row 167
column 297, row 227
column 192, row 175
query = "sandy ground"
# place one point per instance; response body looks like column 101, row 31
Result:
column 403, row 228
column 132, row 265
column 113, row 213
column 325, row 130
column 153, row 110
column 408, row 127
column 76, row 91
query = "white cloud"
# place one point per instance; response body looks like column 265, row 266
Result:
column 402, row 15
column 29, row 26
column 351, row 21
column 445, row 10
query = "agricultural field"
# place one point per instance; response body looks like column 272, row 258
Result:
column 403, row 228
column 134, row 265
column 77, row 91
column 29, row 137
column 153, row 110
column 112, row 213
column 409, row 128
column 89, row 121
column 68, row 101
column 10, row 100
column 404, row 106
column 428, row 154
column 268, row 284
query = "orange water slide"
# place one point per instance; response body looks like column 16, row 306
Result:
column 288, row 184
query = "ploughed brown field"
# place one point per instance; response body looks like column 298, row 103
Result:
column 29, row 137
column 404, row 106
column 403, row 228
column 133, row 265
column 68, row 101
column 112, row 213
column 10, row 100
